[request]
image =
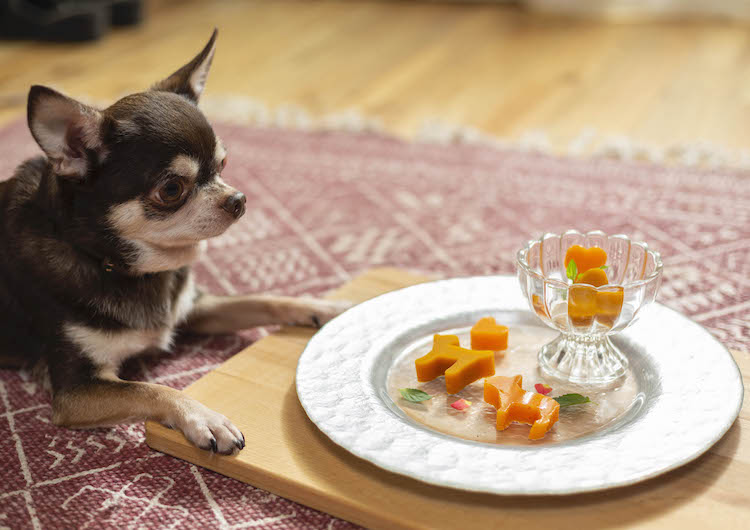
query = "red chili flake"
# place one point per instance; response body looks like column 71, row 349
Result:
column 542, row 388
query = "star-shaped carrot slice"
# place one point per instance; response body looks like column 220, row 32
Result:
column 514, row 404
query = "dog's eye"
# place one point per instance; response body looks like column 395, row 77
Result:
column 170, row 192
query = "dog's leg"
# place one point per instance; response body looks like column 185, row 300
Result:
column 226, row 314
column 103, row 402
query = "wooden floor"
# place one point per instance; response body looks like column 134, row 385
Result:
column 493, row 67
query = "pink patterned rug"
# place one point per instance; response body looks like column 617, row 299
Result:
column 323, row 206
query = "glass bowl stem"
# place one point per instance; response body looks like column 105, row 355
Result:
column 583, row 359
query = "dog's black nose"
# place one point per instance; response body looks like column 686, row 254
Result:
column 235, row 204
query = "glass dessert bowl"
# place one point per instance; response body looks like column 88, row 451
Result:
column 587, row 315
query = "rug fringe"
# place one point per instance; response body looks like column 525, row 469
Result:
column 243, row 110
column 591, row 143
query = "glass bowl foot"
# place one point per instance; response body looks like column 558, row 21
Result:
column 583, row 360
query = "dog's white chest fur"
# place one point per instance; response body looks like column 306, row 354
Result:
column 108, row 349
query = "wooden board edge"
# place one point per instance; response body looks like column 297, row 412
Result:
column 172, row 443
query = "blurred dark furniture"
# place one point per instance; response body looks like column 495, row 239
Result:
column 65, row 20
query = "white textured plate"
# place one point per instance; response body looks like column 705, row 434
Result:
column 690, row 393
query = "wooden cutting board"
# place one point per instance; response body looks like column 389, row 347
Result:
column 287, row 455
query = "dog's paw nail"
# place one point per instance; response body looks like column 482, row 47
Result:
column 210, row 430
column 316, row 321
column 240, row 444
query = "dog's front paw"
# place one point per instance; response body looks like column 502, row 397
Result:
column 209, row 430
column 317, row 312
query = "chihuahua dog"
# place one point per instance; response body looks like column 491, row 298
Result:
column 96, row 242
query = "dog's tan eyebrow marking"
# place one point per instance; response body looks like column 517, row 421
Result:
column 219, row 152
column 185, row 166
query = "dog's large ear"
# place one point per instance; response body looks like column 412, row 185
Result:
column 69, row 132
column 190, row 80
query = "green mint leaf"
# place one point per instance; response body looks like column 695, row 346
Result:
column 572, row 270
column 571, row 399
column 604, row 267
column 414, row 395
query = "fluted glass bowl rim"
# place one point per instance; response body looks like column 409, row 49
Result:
column 523, row 264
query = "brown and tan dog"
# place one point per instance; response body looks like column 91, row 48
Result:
column 96, row 242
